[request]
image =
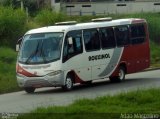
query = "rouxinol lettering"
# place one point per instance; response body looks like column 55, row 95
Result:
column 98, row 57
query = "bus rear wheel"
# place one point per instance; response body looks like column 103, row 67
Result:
column 68, row 84
column 29, row 89
column 121, row 75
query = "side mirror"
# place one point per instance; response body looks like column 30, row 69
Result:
column 18, row 44
column 17, row 47
column 70, row 41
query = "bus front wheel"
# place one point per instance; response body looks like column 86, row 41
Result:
column 29, row 89
column 121, row 75
column 68, row 84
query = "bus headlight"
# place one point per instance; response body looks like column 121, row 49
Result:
column 20, row 75
column 55, row 73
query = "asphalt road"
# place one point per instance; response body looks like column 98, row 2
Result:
column 21, row 102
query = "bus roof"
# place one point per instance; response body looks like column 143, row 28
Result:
column 65, row 28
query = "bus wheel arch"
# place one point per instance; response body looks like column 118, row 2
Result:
column 121, row 72
column 69, row 81
column 123, row 65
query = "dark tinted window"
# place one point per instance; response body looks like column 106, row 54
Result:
column 122, row 35
column 137, row 33
column 107, row 38
column 91, row 39
column 71, row 50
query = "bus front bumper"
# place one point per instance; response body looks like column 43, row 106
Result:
column 38, row 82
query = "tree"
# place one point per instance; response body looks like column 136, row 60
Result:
column 32, row 5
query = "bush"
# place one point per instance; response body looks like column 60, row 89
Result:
column 155, row 57
column 12, row 24
column 8, row 81
column 48, row 17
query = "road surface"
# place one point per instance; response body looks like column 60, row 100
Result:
column 21, row 102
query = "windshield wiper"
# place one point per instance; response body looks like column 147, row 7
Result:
column 42, row 52
column 34, row 53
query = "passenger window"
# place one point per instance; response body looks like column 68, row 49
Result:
column 91, row 39
column 137, row 34
column 107, row 38
column 74, row 48
column 122, row 35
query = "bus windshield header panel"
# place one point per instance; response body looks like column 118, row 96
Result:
column 41, row 48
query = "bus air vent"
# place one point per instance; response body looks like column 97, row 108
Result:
column 66, row 23
column 102, row 19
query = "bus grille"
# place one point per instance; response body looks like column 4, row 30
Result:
column 38, row 82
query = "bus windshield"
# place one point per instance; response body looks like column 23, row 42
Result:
column 40, row 48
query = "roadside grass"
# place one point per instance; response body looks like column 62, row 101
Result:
column 7, row 70
column 134, row 102
column 155, row 54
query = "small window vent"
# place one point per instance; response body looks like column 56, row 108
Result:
column 66, row 23
column 102, row 19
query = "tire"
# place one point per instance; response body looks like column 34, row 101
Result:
column 29, row 89
column 121, row 75
column 68, row 84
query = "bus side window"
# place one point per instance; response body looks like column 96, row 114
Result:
column 75, row 48
column 122, row 35
column 137, row 33
column 107, row 38
column 91, row 39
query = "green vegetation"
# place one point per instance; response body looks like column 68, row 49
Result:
column 155, row 54
column 140, row 101
column 12, row 26
column 32, row 5
column 7, row 70
column 48, row 18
